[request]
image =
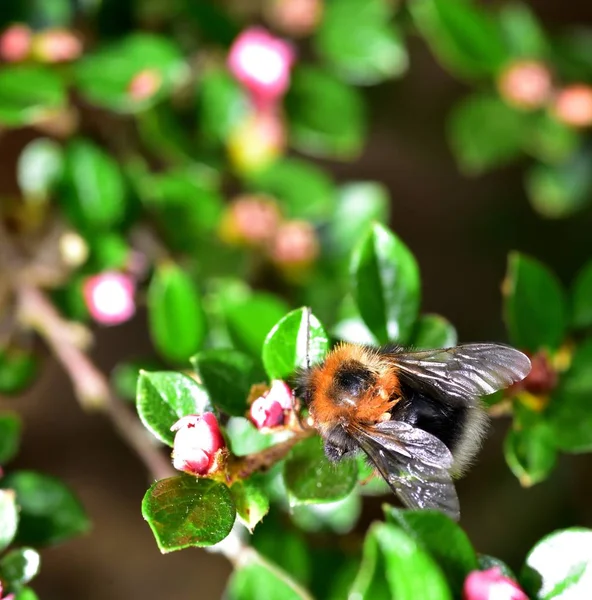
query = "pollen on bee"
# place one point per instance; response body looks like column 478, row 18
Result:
column 386, row 416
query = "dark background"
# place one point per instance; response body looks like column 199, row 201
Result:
column 459, row 229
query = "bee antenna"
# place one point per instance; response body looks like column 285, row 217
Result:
column 308, row 312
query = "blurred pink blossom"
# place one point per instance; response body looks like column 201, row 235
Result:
column 573, row 105
column 526, row 84
column 491, row 585
column 197, row 443
column 295, row 18
column 57, row 45
column 262, row 63
column 144, row 84
column 109, row 297
column 15, row 43
column 295, row 244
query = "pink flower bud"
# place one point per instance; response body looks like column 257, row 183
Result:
column 257, row 142
column 573, row 105
column 144, row 84
column 56, row 45
column 295, row 244
column 525, row 84
column 296, row 18
column 491, row 585
column 197, row 444
column 15, row 43
column 2, row 597
column 269, row 409
column 109, row 297
column 251, row 219
column 262, row 63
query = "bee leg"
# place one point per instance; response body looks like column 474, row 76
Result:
column 332, row 452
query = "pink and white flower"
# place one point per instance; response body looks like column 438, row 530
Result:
column 491, row 584
column 109, row 297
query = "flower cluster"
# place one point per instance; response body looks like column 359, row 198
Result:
column 18, row 43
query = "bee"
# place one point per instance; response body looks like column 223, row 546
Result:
column 416, row 415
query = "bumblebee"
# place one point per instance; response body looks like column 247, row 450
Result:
column 416, row 415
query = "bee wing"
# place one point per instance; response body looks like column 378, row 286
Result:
column 413, row 462
column 466, row 371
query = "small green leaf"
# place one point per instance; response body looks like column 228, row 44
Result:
column 297, row 340
column 303, row 189
column 18, row 369
column 164, row 397
column 581, row 298
column 316, row 128
column 339, row 517
column 26, row 593
column 40, row 166
column 464, row 37
column 184, row 511
column 359, row 41
column 530, row 448
column 9, row 518
column 555, row 143
column 29, row 94
column 251, row 501
column 568, row 413
column 228, row 376
column 433, row 331
column 442, row 538
column 386, row 285
column 524, row 35
column 261, row 579
column 124, row 377
column 10, row 433
column 309, row 477
column 175, row 314
column 250, row 319
column 244, row 438
column 19, row 566
column 560, row 566
column 108, row 251
column 49, row 511
column 392, row 559
column 485, row 132
column 535, row 307
column 105, row 76
column 359, row 204
column 93, row 194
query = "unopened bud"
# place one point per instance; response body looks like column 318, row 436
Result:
column 250, row 219
column 525, row 84
column 109, row 297
column 295, row 18
column 491, row 585
column 261, row 63
column 56, row 45
column 144, row 84
column 295, row 244
column 198, row 444
column 573, row 105
column 15, row 43
column 269, row 409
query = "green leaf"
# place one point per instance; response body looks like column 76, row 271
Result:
column 386, row 285
column 93, row 194
column 441, row 538
column 339, row 517
column 223, row 105
column 568, row 413
column 26, row 593
column 124, row 377
column 535, row 307
column 529, row 447
column 19, row 566
column 392, row 559
column 560, row 566
column 309, row 477
column 245, row 438
column 40, row 166
column 49, row 511
column 359, row 204
column 464, row 37
column 251, row 501
column 164, row 397
column 184, row 511
column 29, row 94
column 261, row 579
column 228, row 376
column 18, row 369
column 581, row 298
column 433, row 331
column 484, row 132
column 558, row 191
column 108, row 251
column 303, row 190
column 9, row 518
column 359, row 41
column 104, row 77
column 249, row 320
column 10, row 433
column 296, row 341
column 175, row 314
column 315, row 127
column 524, row 35
column 552, row 142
